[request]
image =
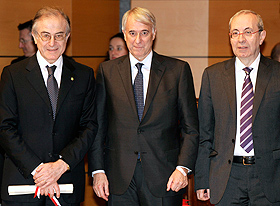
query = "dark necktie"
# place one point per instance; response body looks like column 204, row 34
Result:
column 52, row 88
column 246, row 110
column 138, row 91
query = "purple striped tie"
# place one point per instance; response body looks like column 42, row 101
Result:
column 246, row 110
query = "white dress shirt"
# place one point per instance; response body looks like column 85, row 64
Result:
column 239, row 78
column 43, row 63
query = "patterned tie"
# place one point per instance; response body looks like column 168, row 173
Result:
column 246, row 109
column 52, row 88
column 138, row 91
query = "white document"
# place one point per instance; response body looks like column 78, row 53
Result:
column 30, row 189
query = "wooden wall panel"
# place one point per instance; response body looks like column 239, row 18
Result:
column 93, row 62
column 221, row 11
column 94, row 22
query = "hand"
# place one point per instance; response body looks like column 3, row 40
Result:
column 101, row 185
column 48, row 174
column 203, row 194
column 50, row 190
column 177, row 181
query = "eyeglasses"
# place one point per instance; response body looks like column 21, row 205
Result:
column 246, row 33
column 45, row 36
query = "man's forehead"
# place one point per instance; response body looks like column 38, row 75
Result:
column 137, row 25
column 51, row 19
column 50, row 22
column 244, row 21
column 24, row 32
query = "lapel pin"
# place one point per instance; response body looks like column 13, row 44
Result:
column 72, row 78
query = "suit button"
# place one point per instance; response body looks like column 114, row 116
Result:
column 233, row 140
column 229, row 161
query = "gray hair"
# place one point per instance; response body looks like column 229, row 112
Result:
column 260, row 21
column 50, row 11
column 141, row 15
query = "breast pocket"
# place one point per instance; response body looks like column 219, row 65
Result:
column 75, row 97
column 273, row 95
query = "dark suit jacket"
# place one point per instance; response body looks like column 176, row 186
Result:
column 18, row 59
column 28, row 133
column 217, row 122
column 167, row 136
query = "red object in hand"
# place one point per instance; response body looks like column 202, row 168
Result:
column 185, row 202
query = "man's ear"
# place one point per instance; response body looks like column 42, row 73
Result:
column 124, row 34
column 34, row 37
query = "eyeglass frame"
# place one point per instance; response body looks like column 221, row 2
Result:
column 244, row 33
column 54, row 36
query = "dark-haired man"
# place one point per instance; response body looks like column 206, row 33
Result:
column 26, row 42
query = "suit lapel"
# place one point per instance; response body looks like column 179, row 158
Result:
column 229, row 84
column 67, row 80
column 124, row 69
column 156, row 73
column 157, row 70
column 36, row 79
column 263, row 77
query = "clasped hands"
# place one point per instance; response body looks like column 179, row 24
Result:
column 176, row 182
column 47, row 175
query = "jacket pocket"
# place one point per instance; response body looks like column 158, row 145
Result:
column 213, row 153
column 276, row 154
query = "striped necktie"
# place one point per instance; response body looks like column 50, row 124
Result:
column 246, row 110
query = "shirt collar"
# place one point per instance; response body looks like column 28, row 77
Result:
column 43, row 62
column 147, row 61
column 255, row 65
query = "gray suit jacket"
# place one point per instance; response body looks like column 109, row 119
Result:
column 217, row 118
column 167, row 136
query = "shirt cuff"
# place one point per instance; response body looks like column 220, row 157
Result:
column 97, row 171
column 34, row 171
column 180, row 168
